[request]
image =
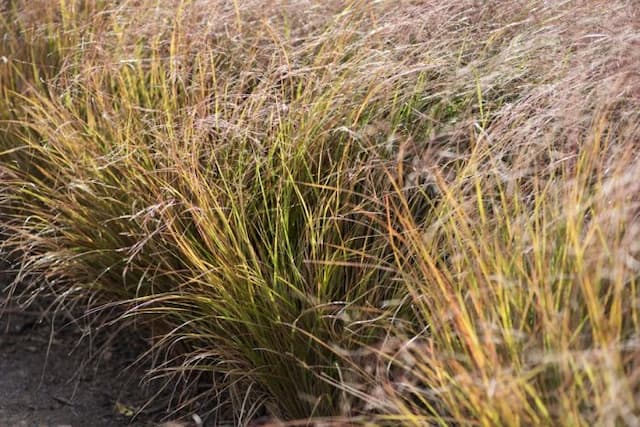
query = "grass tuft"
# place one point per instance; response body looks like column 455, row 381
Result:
column 375, row 213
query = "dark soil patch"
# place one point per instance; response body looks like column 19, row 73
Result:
column 50, row 375
column 52, row 379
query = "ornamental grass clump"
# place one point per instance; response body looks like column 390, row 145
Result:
column 387, row 213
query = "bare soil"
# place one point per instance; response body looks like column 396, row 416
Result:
column 49, row 376
column 45, row 379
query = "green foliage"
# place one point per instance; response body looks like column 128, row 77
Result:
column 358, row 213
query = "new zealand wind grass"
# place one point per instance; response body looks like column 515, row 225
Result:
column 389, row 212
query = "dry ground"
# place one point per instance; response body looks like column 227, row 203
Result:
column 45, row 379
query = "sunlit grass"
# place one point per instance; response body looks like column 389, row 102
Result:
column 394, row 213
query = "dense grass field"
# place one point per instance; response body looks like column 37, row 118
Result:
column 392, row 212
